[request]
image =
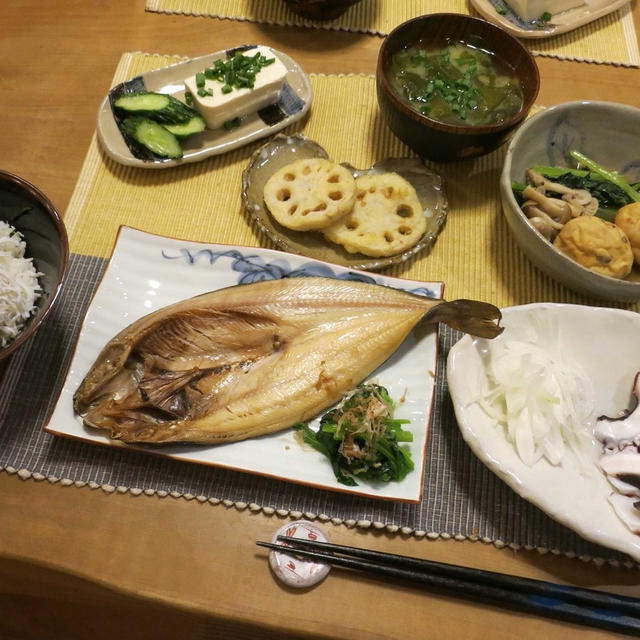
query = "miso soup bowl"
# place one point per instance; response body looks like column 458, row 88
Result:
column 434, row 139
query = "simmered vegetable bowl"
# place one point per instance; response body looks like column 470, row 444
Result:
column 590, row 213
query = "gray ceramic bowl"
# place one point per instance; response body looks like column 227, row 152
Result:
column 27, row 209
column 438, row 140
column 608, row 133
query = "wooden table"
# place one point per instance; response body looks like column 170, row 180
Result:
column 82, row 563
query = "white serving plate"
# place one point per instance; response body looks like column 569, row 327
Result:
column 295, row 101
column 147, row 272
column 560, row 22
column 604, row 343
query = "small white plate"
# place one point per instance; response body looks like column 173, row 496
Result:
column 293, row 104
column 147, row 272
column 559, row 23
column 604, row 344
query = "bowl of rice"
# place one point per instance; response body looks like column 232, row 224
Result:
column 34, row 251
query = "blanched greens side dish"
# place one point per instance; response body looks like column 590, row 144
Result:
column 361, row 438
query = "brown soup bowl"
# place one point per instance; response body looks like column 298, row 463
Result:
column 440, row 141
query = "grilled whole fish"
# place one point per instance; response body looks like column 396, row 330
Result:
column 253, row 359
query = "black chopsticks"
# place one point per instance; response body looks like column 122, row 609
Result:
column 570, row 604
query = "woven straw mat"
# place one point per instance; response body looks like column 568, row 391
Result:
column 610, row 39
column 475, row 254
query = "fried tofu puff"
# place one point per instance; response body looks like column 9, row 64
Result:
column 628, row 219
column 600, row 246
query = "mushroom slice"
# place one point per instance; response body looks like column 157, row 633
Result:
column 580, row 197
column 557, row 209
column 580, row 201
column 538, row 180
column 546, row 225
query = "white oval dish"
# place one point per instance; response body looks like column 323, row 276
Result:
column 295, row 101
column 560, row 22
column 604, row 344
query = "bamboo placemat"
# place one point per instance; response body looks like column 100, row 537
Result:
column 609, row 40
column 461, row 498
column 475, row 255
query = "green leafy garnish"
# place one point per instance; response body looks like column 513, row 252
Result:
column 234, row 123
column 361, row 438
column 236, row 72
column 457, row 84
column 545, row 17
column 611, row 176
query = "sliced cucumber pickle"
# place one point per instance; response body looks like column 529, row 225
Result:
column 186, row 129
column 157, row 106
column 153, row 136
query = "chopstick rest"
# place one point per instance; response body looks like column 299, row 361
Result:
column 571, row 604
column 296, row 571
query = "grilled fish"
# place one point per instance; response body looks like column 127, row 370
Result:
column 253, row 359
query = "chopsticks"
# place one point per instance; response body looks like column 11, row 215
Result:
column 570, row 604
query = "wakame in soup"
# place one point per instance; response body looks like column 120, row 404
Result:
column 458, row 84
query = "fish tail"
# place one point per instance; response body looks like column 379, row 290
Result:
column 479, row 319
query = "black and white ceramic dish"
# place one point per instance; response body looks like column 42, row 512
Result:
column 293, row 104
column 27, row 209
column 147, row 272
column 499, row 12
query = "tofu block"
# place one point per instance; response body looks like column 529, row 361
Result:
column 219, row 107
column 533, row 9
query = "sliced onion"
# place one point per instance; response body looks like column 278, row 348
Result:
column 543, row 405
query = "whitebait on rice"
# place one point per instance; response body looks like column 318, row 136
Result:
column 19, row 286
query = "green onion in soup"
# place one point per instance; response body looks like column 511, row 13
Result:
column 457, row 84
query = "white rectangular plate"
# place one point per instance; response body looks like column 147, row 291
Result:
column 147, row 272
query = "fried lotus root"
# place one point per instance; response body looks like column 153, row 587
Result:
column 310, row 194
column 386, row 219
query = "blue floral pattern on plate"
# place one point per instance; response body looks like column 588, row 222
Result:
column 254, row 268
